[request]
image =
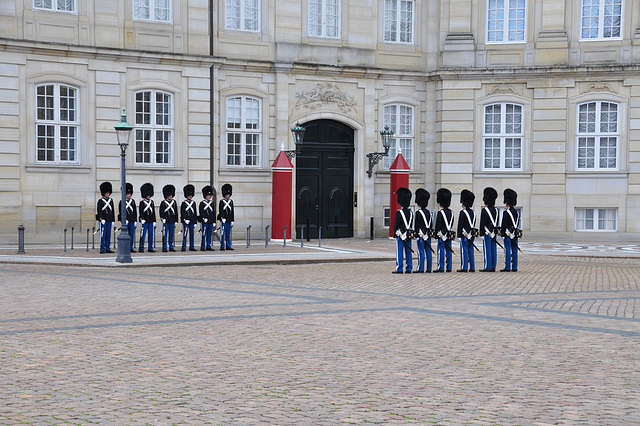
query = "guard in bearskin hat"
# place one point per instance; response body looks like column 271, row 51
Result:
column 188, row 217
column 207, row 218
column 132, row 214
column 467, row 232
column 226, row 216
column 510, row 232
column 403, row 230
column 147, row 210
column 489, row 229
column 444, row 230
column 169, row 217
column 105, row 215
column 423, row 231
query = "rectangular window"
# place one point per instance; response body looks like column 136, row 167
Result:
column 398, row 21
column 598, row 136
column 506, row 21
column 56, row 5
column 152, row 10
column 57, row 124
column 601, row 19
column 242, row 15
column 154, row 128
column 502, row 140
column 324, row 18
column 604, row 220
column 244, row 127
column 399, row 118
column 386, row 216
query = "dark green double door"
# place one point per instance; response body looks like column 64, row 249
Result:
column 324, row 180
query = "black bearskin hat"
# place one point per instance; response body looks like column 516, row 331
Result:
column 129, row 188
column 207, row 190
column 169, row 190
column 106, row 187
column 422, row 197
column 443, row 197
column 146, row 190
column 403, row 196
column 490, row 196
column 510, row 197
column 467, row 198
column 189, row 191
column 227, row 189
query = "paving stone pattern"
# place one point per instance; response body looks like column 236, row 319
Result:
column 321, row 344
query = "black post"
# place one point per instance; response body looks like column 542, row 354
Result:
column 21, row 239
column 93, row 238
column 65, row 239
column 248, row 236
column 88, row 229
column 308, row 233
column 371, row 231
column 301, row 235
column 72, row 228
column 266, row 236
column 285, row 236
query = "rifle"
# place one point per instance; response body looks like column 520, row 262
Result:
column 494, row 238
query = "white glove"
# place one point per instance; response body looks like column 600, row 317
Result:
column 155, row 224
column 126, row 222
column 224, row 220
column 135, row 224
column 442, row 237
column 143, row 221
column 232, row 224
column 205, row 220
column 187, row 221
column 164, row 220
column 403, row 236
column 103, row 221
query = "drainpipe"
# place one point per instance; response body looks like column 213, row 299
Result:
column 211, row 103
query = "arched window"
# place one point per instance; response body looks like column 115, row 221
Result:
column 598, row 135
column 243, row 131
column 154, row 128
column 502, row 137
column 57, row 124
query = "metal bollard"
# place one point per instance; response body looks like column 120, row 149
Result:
column 248, row 236
column 266, row 236
column 319, row 236
column 93, row 238
column 371, row 232
column 308, row 233
column 21, row 239
column 301, row 235
column 88, row 229
column 72, row 228
column 65, row 239
column 285, row 236
column 114, row 239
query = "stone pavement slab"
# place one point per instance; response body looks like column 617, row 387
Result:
column 321, row 343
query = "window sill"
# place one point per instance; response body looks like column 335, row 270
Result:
column 138, row 170
column 600, row 174
column 58, row 168
column 502, row 174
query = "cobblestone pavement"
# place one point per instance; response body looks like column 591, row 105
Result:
column 323, row 344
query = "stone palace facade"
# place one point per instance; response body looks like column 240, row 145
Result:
column 542, row 96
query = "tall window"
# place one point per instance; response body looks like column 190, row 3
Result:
column 152, row 10
column 601, row 19
column 398, row 21
column 57, row 124
column 242, row 15
column 244, row 126
column 598, row 134
column 596, row 220
column 154, row 128
column 56, row 5
column 506, row 20
column 399, row 118
column 502, row 139
column 324, row 18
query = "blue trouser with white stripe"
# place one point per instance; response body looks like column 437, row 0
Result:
column 444, row 255
column 424, row 252
column 403, row 250
column 489, row 248
column 467, row 258
column 510, row 253
column 105, row 243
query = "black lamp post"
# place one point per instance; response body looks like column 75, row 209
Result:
column 298, row 136
column 375, row 157
column 123, row 132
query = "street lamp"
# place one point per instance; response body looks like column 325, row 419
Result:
column 375, row 157
column 123, row 132
column 298, row 136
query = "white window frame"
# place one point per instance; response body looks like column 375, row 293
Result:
column 55, row 6
column 503, row 136
column 243, row 135
column 386, row 217
column 393, row 32
column 320, row 16
column 403, row 131
column 510, row 25
column 604, row 13
column 154, row 127
column 595, row 219
column 154, row 7
column 598, row 137
column 53, row 117
column 241, row 22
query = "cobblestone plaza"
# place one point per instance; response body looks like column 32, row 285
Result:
column 322, row 343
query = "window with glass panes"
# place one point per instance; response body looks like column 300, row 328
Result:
column 324, row 18
column 506, row 21
column 502, row 137
column 400, row 119
column 598, row 134
column 57, row 124
column 152, row 10
column 242, row 15
column 56, row 5
column 601, row 19
column 399, row 21
column 596, row 219
column 243, row 133
column 154, row 128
